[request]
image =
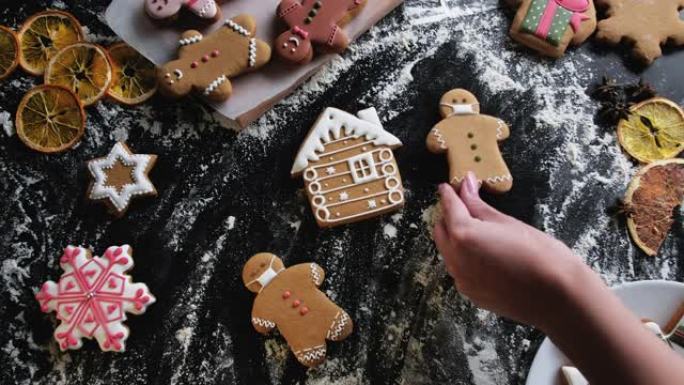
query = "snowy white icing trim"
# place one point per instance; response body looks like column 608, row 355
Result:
column 92, row 298
column 315, row 275
column 310, row 355
column 440, row 138
column 215, row 84
column 339, row 322
column 499, row 129
column 237, row 28
column 191, row 40
column 252, row 52
column 492, row 180
column 120, row 199
column 335, row 123
column 264, row 323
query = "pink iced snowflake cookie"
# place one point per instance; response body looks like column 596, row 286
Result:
column 206, row 10
column 93, row 296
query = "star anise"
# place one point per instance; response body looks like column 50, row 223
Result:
column 616, row 99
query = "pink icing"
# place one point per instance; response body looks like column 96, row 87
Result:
column 92, row 297
column 577, row 7
column 163, row 9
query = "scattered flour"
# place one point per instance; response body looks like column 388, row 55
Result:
column 6, row 123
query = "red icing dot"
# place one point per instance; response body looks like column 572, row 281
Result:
column 214, row 53
column 286, row 294
column 303, row 310
column 194, row 64
column 205, row 58
column 296, row 303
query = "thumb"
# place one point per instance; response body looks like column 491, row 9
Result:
column 471, row 198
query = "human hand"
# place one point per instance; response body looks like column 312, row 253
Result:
column 499, row 262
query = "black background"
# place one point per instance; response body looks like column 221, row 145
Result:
column 224, row 195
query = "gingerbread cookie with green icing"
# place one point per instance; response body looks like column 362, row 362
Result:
column 290, row 299
column 312, row 22
column 470, row 141
column 550, row 26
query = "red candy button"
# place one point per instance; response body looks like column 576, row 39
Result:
column 296, row 303
column 303, row 310
column 286, row 294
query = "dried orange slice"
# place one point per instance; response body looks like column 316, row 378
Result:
column 134, row 77
column 43, row 35
column 653, row 131
column 650, row 201
column 50, row 119
column 82, row 67
column 9, row 52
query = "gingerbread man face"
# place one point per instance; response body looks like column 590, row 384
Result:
column 312, row 22
column 166, row 9
column 290, row 300
column 259, row 269
column 206, row 64
column 470, row 141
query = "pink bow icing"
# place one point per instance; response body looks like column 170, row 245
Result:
column 298, row 31
column 577, row 7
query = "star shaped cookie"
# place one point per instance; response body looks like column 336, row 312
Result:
column 119, row 177
column 646, row 24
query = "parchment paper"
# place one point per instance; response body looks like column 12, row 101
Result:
column 253, row 93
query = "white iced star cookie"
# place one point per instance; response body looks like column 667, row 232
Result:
column 119, row 177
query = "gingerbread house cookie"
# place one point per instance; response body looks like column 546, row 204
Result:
column 290, row 300
column 349, row 170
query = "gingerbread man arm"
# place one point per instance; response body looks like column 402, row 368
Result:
column 261, row 322
column 288, row 11
column 502, row 130
column 436, row 139
column 188, row 39
column 310, row 271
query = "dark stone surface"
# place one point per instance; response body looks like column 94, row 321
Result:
column 225, row 195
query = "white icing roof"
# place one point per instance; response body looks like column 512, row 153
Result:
column 328, row 127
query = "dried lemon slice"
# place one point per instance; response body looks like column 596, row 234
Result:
column 134, row 77
column 9, row 52
column 43, row 35
column 84, row 68
column 50, row 119
column 650, row 201
column 653, row 131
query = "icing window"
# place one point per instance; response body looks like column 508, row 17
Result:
column 362, row 168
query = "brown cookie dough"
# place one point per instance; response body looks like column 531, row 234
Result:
column 550, row 26
column 471, row 142
column 207, row 63
column 289, row 299
column 646, row 24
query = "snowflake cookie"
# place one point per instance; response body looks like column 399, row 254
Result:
column 646, row 24
column 119, row 177
column 93, row 296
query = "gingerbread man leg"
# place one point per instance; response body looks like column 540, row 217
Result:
column 310, row 354
column 337, row 40
column 498, row 184
column 218, row 90
column 341, row 327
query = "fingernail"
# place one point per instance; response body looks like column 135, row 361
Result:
column 442, row 188
column 472, row 183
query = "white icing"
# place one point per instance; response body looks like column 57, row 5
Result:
column 264, row 323
column 252, row 52
column 214, row 85
column 267, row 276
column 499, row 129
column 440, row 138
column 120, row 199
column 460, row 109
column 492, row 180
column 339, row 322
column 573, row 376
column 191, row 40
column 329, row 127
column 315, row 275
column 312, row 354
column 237, row 28
column 178, row 73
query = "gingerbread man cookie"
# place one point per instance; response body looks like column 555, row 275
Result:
column 313, row 22
column 549, row 26
column 646, row 24
column 207, row 63
column 206, row 10
column 289, row 299
column 471, row 142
